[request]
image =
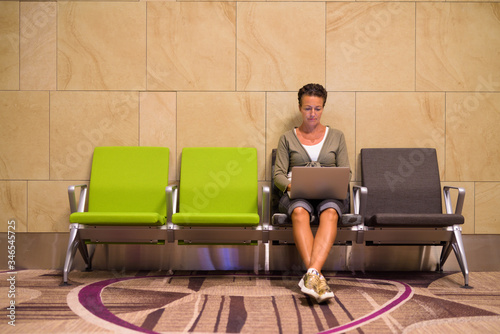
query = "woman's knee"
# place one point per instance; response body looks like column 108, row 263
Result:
column 329, row 214
column 299, row 213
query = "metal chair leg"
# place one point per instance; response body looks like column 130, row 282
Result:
column 458, row 247
column 70, row 253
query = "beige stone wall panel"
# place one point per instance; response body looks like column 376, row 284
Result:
column 13, row 205
column 191, row 46
column 48, row 205
column 38, row 46
column 101, row 46
column 370, row 46
column 158, row 123
column 9, row 45
column 281, row 46
column 81, row 121
column 24, row 135
column 487, row 208
column 472, row 137
column 457, row 45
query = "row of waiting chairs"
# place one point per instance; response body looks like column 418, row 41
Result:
column 129, row 200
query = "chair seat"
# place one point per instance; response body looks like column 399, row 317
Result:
column 348, row 220
column 414, row 220
column 118, row 218
column 216, row 219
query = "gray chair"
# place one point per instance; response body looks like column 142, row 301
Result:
column 400, row 200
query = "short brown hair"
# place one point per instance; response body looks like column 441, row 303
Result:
column 313, row 90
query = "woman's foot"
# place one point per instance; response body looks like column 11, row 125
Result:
column 324, row 291
column 315, row 286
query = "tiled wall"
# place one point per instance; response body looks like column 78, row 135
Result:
column 75, row 75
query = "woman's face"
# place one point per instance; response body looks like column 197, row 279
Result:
column 311, row 109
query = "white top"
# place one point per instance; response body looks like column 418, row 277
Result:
column 313, row 150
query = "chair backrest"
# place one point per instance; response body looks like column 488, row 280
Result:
column 129, row 179
column 218, row 179
column 275, row 192
column 401, row 180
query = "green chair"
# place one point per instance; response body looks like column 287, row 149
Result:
column 217, row 198
column 126, row 201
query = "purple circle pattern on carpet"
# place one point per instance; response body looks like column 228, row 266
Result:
column 90, row 298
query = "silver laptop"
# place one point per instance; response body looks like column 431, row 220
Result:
column 319, row 182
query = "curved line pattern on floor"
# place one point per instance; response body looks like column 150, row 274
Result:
column 87, row 303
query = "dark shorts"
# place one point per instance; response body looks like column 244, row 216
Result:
column 314, row 207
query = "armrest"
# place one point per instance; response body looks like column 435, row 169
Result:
column 265, row 207
column 171, row 193
column 460, row 199
column 359, row 196
column 73, row 205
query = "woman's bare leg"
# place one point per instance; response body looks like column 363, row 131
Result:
column 314, row 250
column 302, row 234
column 325, row 237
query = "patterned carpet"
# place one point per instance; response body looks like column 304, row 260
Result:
column 240, row 302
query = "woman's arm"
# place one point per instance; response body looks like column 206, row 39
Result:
column 281, row 165
column 343, row 156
